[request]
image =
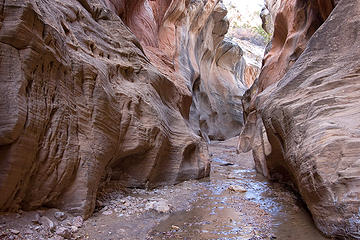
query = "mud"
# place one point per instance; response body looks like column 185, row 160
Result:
column 233, row 203
column 259, row 210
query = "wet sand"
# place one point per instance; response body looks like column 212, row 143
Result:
column 233, row 203
column 265, row 210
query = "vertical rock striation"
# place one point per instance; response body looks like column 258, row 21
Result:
column 185, row 40
column 80, row 103
column 111, row 90
column 216, row 70
column 302, row 113
column 294, row 24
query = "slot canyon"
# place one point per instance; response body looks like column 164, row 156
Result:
column 180, row 119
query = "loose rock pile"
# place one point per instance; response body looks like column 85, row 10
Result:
column 42, row 224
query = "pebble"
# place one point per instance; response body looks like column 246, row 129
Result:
column 236, row 188
column 74, row 229
column 63, row 232
column 231, row 176
column 28, row 231
column 78, row 221
column 45, row 221
column 117, row 210
column 36, row 219
column 104, row 209
column 161, row 206
column 67, row 222
column 14, row 231
column 174, row 227
column 61, row 216
column 108, row 212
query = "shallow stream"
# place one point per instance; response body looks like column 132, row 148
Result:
column 233, row 203
column 257, row 209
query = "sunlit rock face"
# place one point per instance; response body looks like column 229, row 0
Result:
column 216, row 112
column 295, row 22
column 245, row 30
column 215, row 68
column 81, row 103
column 185, row 41
column 111, row 90
column 302, row 113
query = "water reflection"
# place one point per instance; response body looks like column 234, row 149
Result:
column 265, row 211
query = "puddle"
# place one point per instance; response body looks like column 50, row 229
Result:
column 265, row 211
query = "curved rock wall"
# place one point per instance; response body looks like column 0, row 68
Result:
column 216, row 111
column 303, row 129
column 215, row 70
column 80, row 103
column 294, row 24
column 185, row 40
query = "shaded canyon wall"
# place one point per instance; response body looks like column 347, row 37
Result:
column 98, row 91
column 81, row 103
column 301, row 114
column 185, row 40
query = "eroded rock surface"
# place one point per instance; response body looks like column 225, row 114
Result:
column 81, row 104
column 295, row 21
column 304, row 129
column 185, row 40
column 216, row 112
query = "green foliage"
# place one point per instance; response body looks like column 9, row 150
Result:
column 267, row 36
column 260, row 31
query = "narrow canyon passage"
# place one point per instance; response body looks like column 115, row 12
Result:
column 233, row 203
column 121, row 119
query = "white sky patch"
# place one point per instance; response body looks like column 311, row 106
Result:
column 244, row 11
column 245, row 14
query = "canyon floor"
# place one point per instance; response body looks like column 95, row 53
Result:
column 233, row 203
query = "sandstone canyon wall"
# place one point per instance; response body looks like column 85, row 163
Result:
column 302, row 113
column 111, row 90
column 185, row 40
column 80, row 103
